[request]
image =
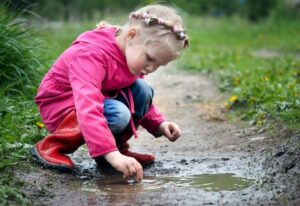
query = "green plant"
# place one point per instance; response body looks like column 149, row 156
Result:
column 9, row 194
column 19, row 54
column 19, row 130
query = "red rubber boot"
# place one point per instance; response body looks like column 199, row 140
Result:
column 143, row 159
column 51, row 150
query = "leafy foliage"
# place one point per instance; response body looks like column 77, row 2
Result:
column 19, row 130
column 19, row 60
column 66, row 10
column 9, row 194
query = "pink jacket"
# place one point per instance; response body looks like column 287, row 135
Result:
column 89, row 71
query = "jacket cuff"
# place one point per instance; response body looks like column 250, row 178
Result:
column 152, row 126
column 98, row 153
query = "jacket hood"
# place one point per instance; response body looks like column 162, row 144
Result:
column 103, row 38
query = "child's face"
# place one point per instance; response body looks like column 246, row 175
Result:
column 146, row 58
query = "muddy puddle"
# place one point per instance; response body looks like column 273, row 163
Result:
column 204, row 182
column 169, row 190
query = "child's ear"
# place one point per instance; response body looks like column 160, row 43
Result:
column 132, row 33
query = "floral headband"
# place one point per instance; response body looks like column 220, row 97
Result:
column 151, row 20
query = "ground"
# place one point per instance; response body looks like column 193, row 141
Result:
column 217, row 161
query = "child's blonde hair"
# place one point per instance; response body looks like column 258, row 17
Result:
column 158, row 23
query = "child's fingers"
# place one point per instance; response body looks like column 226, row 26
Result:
column 173, row 139
column 176, row 134
column 167, row 133
column 126, row 172
column 131, row 169
column 175, row 131
column 140, row 172
column 135, row 170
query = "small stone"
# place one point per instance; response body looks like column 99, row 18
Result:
column 257, row 138
column 260, row 131
column 280, row 153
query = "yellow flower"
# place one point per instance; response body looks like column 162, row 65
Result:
column 259, row 123
column 266, row 78
column 233, row 99
column 40, row 125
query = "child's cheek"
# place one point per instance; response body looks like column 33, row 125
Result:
column 131, row 63
column 137, row 65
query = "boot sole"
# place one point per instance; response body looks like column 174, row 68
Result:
column 46, row 164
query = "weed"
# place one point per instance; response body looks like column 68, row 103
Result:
column 19, row 54
column 9, row 192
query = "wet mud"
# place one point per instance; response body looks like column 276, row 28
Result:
column 215, row 162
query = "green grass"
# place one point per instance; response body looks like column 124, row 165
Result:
column 258, row 64
column 20, row 58
column 59, row 36
column 9, row 191
column 19, row 130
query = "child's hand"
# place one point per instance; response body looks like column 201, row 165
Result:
column 129, row 166
column 170, row 130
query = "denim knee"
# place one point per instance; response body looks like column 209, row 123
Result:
column 142, row 96
column 117, row 115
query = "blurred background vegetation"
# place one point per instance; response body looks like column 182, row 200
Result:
column 251, row 47
column 70, row 10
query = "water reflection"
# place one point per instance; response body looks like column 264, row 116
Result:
column 206, row 182
column 120, row 186
column 220, row 182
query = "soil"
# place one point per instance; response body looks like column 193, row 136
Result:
column 217, row 161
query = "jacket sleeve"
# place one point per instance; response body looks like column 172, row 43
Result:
column 151, row 120
column 86, row 74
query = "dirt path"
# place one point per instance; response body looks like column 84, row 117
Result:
column 216, row 162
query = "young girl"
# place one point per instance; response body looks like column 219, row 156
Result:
column 95, row 92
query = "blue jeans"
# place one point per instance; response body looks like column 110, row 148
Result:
column 116, row 110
